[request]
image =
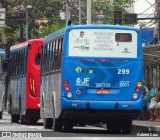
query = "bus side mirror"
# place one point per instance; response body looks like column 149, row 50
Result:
column 5, row 67
column 38, row 59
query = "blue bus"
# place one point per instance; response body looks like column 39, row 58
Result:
column 2, row 79
column 91, row 74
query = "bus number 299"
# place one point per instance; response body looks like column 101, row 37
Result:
column 123, row 71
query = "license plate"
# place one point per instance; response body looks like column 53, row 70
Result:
column 102, row 91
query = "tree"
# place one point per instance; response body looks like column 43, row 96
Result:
column 50, row 9
column 102, row 10
column 52, row 28
column 142, row 25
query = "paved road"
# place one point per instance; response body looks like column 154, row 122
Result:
column 79, row 133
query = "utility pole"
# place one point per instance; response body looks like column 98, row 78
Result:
column 67, row 12
column 158, row 15
column 88, row 11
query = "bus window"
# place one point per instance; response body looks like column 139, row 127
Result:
column 57, row 54
column 47, row 56
column 45, row 59
column 55, row 45
column 61, row 47
column 51, row 56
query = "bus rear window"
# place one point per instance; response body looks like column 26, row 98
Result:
column 103, row 43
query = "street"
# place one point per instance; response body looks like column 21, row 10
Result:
column 88, row 131
column 9, row 129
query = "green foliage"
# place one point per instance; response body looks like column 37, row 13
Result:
column 52, row 28
column 103, row 7
column 50, row 9
column 142, row 25
column 8, row 36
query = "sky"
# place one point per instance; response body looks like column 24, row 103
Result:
column 141, row 5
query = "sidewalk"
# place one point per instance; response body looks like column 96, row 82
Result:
column 140, row 125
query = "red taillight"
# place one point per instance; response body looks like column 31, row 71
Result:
column 32, row 86
column 139, row 84
column 67, row 88
column 65, row 82
column 137, row 89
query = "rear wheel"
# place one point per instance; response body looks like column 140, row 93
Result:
column 68, row 126
column 126, row 126
column 47, row 123
column 57, row 125
column 113, row 126
column 14, row 117
column 1, row 114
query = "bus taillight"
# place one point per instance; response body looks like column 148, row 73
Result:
column 139, row 84
column 32, row 87
column 67, row 88
column 65, row 82
column 137, row 89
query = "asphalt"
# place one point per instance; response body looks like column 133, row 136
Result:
column 138, row 125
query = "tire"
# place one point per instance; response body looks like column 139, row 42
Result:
column 1, row 114
column 57, row 125
column 127, row 126
column 117, row 126
column 47, row 123
column 14, row 118
column 113, row 126
column 68, row 126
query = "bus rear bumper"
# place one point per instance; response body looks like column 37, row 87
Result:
column 98, row 115
column 100, row 109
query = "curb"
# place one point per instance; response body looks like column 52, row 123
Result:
column 136, row 127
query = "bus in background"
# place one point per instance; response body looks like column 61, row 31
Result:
column 23, row 89
column 2, row 79
column 91, row 74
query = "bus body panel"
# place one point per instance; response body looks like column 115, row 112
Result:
column 33, row 71
column 85, row 85
column 1, row 95
column 50, row 94
column 2, row 78
column 101, row 105
column 17, row 91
